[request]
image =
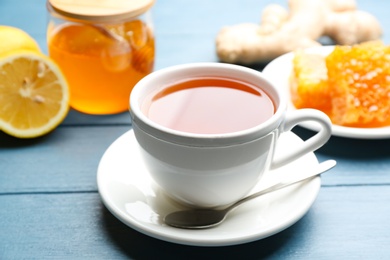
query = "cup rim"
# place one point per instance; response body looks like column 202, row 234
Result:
column 145, row 86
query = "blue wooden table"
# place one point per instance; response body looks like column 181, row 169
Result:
column 50, row 206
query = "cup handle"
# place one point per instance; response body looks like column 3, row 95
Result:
column 298, row 116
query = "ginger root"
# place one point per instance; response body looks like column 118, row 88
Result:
column 282, row 31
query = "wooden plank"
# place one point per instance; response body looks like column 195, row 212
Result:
column 65, row 160
column 360, row 162
column 344, row 223
column 75, row 118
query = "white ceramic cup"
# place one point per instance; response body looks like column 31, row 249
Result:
column 209, row 170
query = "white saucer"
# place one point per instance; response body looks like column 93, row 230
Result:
column 279, row 70
column 131, row 195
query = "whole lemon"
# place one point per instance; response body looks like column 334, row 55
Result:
column 12, row 38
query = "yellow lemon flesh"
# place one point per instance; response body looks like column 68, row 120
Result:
column 12, row 38
column 34, row 95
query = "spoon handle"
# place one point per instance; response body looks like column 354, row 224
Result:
column 320, row 168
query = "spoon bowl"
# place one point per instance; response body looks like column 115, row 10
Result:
column 207, row 218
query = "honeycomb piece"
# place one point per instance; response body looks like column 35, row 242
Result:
column 359, row 77
column 308, row 82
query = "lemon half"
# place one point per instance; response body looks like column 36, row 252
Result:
column 34, row 94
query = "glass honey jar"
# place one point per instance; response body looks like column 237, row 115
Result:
column 103, row 48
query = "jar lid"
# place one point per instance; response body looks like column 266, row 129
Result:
column 102, row 10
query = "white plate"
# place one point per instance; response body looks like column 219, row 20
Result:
column 128, row 191
column 279, row 70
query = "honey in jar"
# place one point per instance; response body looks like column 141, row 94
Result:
column 103, row 48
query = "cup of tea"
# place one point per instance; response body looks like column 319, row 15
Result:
column 208, row 131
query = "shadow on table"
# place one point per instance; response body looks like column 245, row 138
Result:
column 10, row 141
column 350, row 147
column 136, row 245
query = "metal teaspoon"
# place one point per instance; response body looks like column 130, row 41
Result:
column 206, row 218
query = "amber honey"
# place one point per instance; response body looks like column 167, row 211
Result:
column 103, row 48
column 101, row 70
column 351, row 84
column 209, row 105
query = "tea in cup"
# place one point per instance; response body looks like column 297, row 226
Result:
column 208, row 131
